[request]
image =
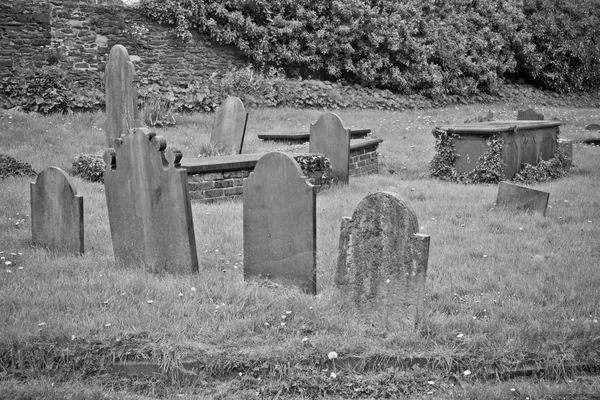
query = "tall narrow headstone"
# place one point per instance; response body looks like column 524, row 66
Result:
column 280, row 222
column 230, row 125
column 529, row 115
column 121, row 94
column 382, row 263
column 329, row 137
column 522, row 198
column 148, row 202
column 56, row 212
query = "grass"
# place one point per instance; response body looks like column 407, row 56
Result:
column 504, row 290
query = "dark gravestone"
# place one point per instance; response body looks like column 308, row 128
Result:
column 230, row 125
column 382, row 263
column 529, row 115
column 56, row 212
column 329, row 137
column 148, row 204
column 521, row 198
column 121, row 95
column 280, row 223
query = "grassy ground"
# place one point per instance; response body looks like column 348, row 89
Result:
column 504, row 290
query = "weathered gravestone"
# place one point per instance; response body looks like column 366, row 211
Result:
column 329, row 137
column 280, row 223
column 121, row 95
column 56, row 212
column 382, row 263
column 229, row 126
column 529, row 115
column 148, row 204
column 522, row 198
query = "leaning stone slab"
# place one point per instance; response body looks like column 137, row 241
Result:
column 382, row 262
column 529, row 115
column 121, row 95
column 148, row 204
column 229, row 126
column 56, row 212
column 329, row 137
column 280, row 223
column 522, row 198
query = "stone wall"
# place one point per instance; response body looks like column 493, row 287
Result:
column 81, row 35
column 364, row 161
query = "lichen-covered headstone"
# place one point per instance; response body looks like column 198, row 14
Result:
column 56, row 212
column 382, row 262
column 230, row 125
column 280, row 223
column 529, row 115
column 522, row 198
column 149, row 208
column 329, row 137
column 121, row 94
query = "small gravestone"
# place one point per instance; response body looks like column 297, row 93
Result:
column 522, row 198
column 489, row 116
column 56, row 212
column 148, row 202
column 280, row 223
column 230, row 125
column 529, row 115
column 382, row 263
column 329, row 137
column 121, row 95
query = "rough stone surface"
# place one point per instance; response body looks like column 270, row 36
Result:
column 148, row 204
column 382, row 263
column 329, row 137
column 56, row 212
column 230, row 125
column 529, row 115
column 280, row 223
column 121, row 96
column 521, row 198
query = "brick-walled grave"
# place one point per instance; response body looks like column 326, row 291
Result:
column 213, row 179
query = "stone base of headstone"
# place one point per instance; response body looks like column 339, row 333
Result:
column 521, row 198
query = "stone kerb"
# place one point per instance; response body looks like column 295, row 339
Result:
column 382, row 263
column 149, row 208
column 280, row 220
column 230, row 125
column 121, row 94
column 56, row 212
column 329, row 137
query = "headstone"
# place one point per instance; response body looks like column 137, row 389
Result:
column 522, row 198
column 382, row 262
column 121, row 94
column 529, row 115
column 280, row 222
column 329, row 137
column 592, row 127
column 489, row 116
column 230, row 125
column 56, row 212
column 148, row 202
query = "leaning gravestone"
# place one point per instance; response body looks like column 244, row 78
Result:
column 121, row 95
column 229, row 126
column 529, row 115
column 382, row 263
column 329, row 137
column 280, row 223
column 56, row 212
column 522, row 198
column 148, row 202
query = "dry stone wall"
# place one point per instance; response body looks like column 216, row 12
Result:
column 82, row 34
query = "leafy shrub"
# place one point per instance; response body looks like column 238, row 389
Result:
column 90, row 167
column 9, row 166
column 212, row 149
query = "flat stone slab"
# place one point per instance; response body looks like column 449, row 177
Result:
column 522, row 198
column 56, row 212
column 280, row 223
column 234, row 162
column 305, row 136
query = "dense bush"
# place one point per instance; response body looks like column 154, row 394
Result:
column 411, row 46
column 15, row 168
